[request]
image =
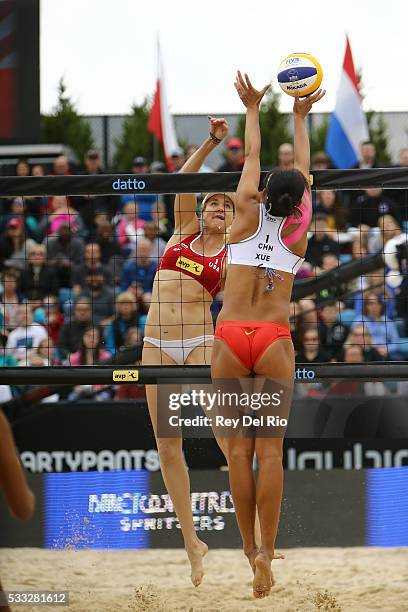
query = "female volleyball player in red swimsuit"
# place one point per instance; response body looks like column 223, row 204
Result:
column 179, row 328
column 19, row 497
column 267, row 245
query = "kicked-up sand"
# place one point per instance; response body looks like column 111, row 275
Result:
column 309, row 579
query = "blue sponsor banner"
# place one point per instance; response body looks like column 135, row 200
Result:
column 387, row 507
column 95, row 509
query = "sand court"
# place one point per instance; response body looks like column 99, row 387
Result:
column 348, row 579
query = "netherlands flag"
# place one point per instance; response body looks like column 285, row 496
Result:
column 348, row 124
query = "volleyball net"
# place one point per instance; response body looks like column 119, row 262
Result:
column 78, row 256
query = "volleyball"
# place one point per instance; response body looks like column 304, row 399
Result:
column 299, row 74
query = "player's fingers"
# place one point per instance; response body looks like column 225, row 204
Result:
column 241, row 80
column 248, row 82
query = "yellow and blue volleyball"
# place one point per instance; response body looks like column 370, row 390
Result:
column 300, row 74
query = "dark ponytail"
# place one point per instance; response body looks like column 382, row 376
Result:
column 284, row 191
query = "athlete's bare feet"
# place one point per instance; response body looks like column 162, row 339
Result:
column 263, row 578
column 262, row 582
column 195, row 554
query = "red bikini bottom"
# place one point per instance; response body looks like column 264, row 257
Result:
column 248, row 340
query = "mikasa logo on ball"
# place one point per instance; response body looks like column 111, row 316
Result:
column 299, row 86
column 292, row 60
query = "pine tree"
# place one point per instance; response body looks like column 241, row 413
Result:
column 65, row 126
column 378, row 135
column 135, row 139
column 376, row 126
column 274, row 128
column 318, row 135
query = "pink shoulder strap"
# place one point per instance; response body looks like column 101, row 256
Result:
column 302, row 222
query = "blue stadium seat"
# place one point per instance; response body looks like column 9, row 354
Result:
column 400, row 323
column 403, row 347
column 346, row 316
column 142, row 323
column 345, row 258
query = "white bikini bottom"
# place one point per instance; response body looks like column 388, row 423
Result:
column 179, row 350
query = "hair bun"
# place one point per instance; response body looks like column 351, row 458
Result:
column 285, row 205
column 285, row 200
column 285, row 189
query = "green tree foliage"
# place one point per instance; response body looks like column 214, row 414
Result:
column 376, row 126
column 274, row 128
column 135, row 139
column 318, row 135
column 378, row 135
column 65, row 126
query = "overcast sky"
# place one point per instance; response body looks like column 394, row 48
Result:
column 106, row 49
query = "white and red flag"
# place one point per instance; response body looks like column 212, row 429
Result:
column 161, row 122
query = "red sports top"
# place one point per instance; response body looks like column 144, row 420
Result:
column 206, row 270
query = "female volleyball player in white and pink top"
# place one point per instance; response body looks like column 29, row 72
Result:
column 179, row 328
column 267, row 245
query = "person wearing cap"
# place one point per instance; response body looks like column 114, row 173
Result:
column 92, row 162
column 101, row 295
column 14, row 244
column 64, row 251
column 19, row 210
column 177, row 159
column 179, row 328
column 234, row 156
column 90, row 205
column 139, row 165
column 91, row 259
column 158, row 167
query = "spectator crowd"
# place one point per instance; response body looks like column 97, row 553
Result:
column 77, row 272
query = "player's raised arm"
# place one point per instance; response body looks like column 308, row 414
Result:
column 185, row 204
column 249, row 183
column 301, row 108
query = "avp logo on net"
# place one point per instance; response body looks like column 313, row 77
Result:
column 128, row 185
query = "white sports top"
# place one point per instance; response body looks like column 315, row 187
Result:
column 266, row 248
